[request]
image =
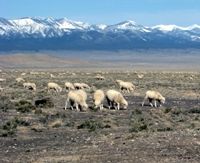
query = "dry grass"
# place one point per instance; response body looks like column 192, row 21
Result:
column 54, row 129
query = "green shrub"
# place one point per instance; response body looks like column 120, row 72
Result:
column 92, row 125
column 9, row 128
column 6, row 104
column 24, row 106
column 194, row 110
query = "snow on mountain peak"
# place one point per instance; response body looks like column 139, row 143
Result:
column 167, row 28
column 102, row 26
column 194, row 26
column 126, row 25
column 69, row 24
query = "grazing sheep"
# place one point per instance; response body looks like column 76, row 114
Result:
column 126, row 85
column 81, row 86
column 30, row 86
column 85, row 86
column 99, row 77
column 23, row 74
column 34, row 73
column 54, row 86
column 77, row 97
column 52, row 76
column 2, row 80
column 140, row 76
column 19, row 80
column 98, row 98
column 69, row 86
column 1, row 89
column 114, row 97
column 78, row 86
column 154, row 96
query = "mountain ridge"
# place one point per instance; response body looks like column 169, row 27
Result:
column 32, row 33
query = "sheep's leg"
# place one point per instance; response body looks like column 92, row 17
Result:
column 76, row 106
column 143, row 101
column 101, row 106
column 66, row 103
column 150, row 102
column 118, row 106
column 155, row 104
column 109, row 103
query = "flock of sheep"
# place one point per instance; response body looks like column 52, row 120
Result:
column 77, row 95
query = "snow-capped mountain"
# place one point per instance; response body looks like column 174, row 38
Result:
column 53, row 34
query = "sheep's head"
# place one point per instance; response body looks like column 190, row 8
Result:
column 162, row 100
column 118, row 81
column 59, row 89
column 85, row 106
column 97, row 103
column 132, row 88
column 124, row 104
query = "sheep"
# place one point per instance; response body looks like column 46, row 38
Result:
column 19, row 80
column 77, row 97
column 99, row 77
column 23, row 74
column 140, row 76
column 126, row 85
column 2, row 79
column 52, row 76
column 78, row 86
column 81, row 86
column 30, row 86
column 1, row 89
column 115, row 97
column 98, row 98
column 34, row 73
column 85, row 86
column 54, row 86
column 153, row 96
column 69, row 86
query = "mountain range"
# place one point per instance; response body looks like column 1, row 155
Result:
column 32, row 33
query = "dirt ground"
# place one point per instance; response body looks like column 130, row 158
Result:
column 48, row 133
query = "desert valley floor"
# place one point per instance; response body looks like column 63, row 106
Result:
column 48, row 133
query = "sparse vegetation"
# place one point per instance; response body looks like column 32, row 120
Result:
column 24, row 106
column 10, row 127
column 42, row 122
column 5, row 104
column 92, row 125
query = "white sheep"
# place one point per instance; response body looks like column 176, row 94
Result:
column 54, row 86
column 19, row 80
column 77, row 98
column 126, row 85
column 81, row 86
column 52, row 76
column 30, row 86
column 153, row 96
column 69, row 86
column 1, row 89
column 99, row 77
column 98, row 98
column 2, row 79
column 140, row 76
column 23, row 74
column 114, row 97
column 78, row 86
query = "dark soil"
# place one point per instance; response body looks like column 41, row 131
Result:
column 48, row 133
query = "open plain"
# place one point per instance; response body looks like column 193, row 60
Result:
column 45, row 132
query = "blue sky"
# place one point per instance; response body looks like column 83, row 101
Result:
column 146, row 12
